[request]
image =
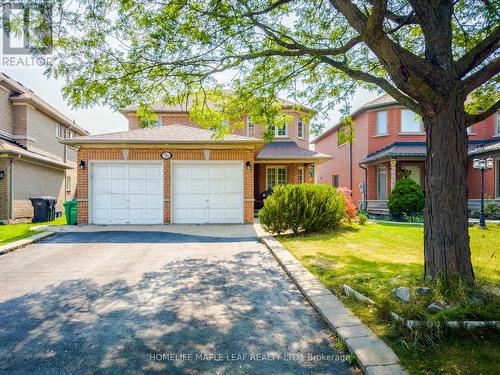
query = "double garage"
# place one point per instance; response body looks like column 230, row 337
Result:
column 134, row 192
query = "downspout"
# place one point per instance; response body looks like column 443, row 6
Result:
column 364, row 203
column 11, row 190
column 350, row 166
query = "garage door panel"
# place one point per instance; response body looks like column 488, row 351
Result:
column 101, row 171
column 136, row 172
column 154, row 172
column 232, row 186
column 118, row 186
column 216, row 186
column 199, row 186
column 127, row 193
column 119, row 171
column 207, row 192
column 154, row 201
column 153, row 186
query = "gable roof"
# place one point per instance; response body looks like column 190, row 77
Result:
column 382, row 101
column 161, row 135
column 22, row 94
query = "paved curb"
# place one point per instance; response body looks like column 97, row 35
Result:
column 25, row 242
column 373, row 355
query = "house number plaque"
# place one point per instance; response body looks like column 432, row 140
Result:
column 166, row 155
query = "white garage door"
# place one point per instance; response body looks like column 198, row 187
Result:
column 205, row 192
column 126, row 193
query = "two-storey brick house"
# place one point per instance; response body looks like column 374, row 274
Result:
column 389, row 138
column 32, row 160
column 190, row 176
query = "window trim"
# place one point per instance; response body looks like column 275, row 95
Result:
column 301, row 127
column 276, row 128
column 301, row 175
column 376, row 134
column 277, row 167
column 58, row 131
column 402, row 132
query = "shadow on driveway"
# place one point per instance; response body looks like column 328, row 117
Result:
column 165, row 321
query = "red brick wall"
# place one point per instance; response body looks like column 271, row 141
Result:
column 339, row 165
column 153, row 153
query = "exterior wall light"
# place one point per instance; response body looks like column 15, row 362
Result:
column 82, row 164
column 248, row 164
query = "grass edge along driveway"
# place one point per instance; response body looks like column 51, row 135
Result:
column 15, row 232
column 377, row 257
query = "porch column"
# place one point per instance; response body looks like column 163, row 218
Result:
column 393, row 173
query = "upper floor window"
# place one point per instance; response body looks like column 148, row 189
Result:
column 281, row 131
column 470, row 130
column 300, row 128
column 410, row 123
column 250, row 128
column 381, row 124
column 59, row 131
column 497, row 124
column 70, row 134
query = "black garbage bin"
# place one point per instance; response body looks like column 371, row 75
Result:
column 44, row 208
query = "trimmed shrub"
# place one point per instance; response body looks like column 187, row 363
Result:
column 406, row 198
column 302, row 208
column 351, row 212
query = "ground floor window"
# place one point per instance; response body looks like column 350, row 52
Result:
column 335, row 180
column 382, row 182
column 275, row 176
column 301, row 176
column 68, row 183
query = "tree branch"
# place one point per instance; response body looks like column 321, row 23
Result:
column 474, row 119
column 480, row 77
column 479, row 53
column 397, row 18
column 268, row 9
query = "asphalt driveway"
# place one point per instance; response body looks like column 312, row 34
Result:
column 156, row 302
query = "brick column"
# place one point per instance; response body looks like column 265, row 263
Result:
column 393, row 173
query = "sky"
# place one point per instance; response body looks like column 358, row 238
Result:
column 99, row 119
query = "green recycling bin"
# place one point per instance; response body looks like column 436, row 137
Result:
column 71, row 210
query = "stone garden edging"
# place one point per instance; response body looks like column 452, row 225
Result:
column 413, row 324
column 373, row 355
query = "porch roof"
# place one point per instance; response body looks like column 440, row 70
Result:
column 397, row 149
column 485, row 149
column 291, row 151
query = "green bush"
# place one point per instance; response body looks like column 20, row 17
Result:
column 302, row 208
column 492, row 210
column 406, row 198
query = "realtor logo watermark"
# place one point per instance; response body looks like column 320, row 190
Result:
column 27, row 34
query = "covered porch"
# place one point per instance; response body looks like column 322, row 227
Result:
column 385, row 168
column 280, row 163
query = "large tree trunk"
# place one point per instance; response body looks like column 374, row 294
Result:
column 446, row 242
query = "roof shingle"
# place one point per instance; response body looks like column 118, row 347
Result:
column 289, row 150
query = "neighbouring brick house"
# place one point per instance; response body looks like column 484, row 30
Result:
column 176, row 172
column 389, row 138
column 32, row 161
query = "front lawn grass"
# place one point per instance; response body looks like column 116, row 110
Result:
column 375, row 258
column 14, row 232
